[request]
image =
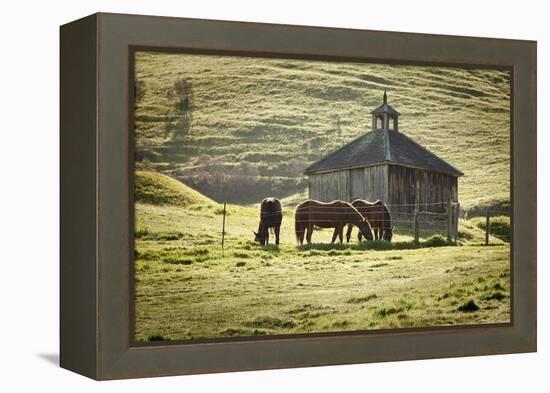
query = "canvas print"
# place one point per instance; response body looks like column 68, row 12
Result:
column 278, row 196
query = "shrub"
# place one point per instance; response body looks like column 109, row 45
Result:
column 242, row 332
column 178, row 261
column 141, row 233
column 435, row 241
column 498, row 295
column 469, row 306
column 144, row 234
column 363, row 299
column 385, row 311
column 157, row 337
column 198, row 251
column 271, row 323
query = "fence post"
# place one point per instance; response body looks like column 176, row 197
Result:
column 223, row 228
column 449, row 221
column 416, row 234
column 487, row 227
column 457, row 214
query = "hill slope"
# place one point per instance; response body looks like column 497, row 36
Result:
column 227, row 124
column 158, row 189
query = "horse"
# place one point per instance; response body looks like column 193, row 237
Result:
column 335, row 214
column 271, row 216
column 378, row 216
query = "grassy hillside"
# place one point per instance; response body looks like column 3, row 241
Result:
column 159, row 189
column 500, row 226
column 228, row 124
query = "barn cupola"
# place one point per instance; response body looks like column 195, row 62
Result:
column 385, row 117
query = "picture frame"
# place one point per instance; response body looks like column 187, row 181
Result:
column 97, row 199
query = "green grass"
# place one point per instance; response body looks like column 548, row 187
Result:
column 260, row 122
column 186, row 288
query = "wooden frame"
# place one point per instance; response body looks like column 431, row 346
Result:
column 96, row 241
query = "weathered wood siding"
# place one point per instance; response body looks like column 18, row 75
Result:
column 409, row 188
column 370, row 183
column 327, row 187
column 402, row 188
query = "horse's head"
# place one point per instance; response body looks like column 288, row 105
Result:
column 388, row 233
column 364, row 227
column 259, row 237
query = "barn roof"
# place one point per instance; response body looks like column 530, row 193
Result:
column 385, row 108
column 382, row 147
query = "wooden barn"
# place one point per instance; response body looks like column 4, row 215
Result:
column 385, row 164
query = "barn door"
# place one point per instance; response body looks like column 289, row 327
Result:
column 357, row 179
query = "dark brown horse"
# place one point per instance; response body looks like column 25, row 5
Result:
column 335, row 214
column 271, row 216
column 378, row 216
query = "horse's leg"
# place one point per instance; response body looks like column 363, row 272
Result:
column 334, row 234
column 277, row 230
column 299, row 230
column 359, row 236
column 348, row 233
column 341, row 233
column 262, row 233
column 266, row 234
column 309, row 233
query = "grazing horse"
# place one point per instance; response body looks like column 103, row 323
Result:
column 271, row 215
column 335, row 214
column 378, row 216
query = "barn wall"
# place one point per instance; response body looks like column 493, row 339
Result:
column 370, row 183
column 410, row 187
column 402, row 188
column 327, row 187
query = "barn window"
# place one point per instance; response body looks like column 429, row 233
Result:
column 391, row 124
column 378, row 123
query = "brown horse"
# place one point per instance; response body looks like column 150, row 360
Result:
column 271, row 216
column 378, row 216
column 335, row 214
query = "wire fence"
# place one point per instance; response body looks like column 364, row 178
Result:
column 437, row 216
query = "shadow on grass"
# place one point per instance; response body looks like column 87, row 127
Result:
column 252, row 245
column 270, row 248
column 378, row 245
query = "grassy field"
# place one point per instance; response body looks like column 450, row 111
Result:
column 260, row 122
column 186, row 288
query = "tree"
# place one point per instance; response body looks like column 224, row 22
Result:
column 179, row 120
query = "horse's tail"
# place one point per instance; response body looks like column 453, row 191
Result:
column 299, row 228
